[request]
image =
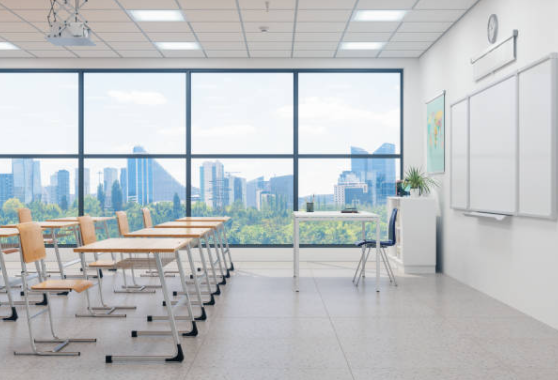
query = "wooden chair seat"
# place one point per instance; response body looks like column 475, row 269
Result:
column 63, row 285
column 10, row 250
column 103, row 264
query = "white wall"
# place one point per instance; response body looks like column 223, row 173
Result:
column 515, row 261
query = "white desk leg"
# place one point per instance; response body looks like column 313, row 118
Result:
column 296, row 253
column 378, row 254
column 364, row 238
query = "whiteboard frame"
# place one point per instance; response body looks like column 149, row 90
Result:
column 554, row 122
column 468, row 174
column 554, row 154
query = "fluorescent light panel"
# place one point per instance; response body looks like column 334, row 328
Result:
column 178, row 45
column 368, row 15
column 142, row 15
column 8, row 46
column 362, row 45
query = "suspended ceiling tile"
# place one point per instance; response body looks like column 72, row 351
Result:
column 445, row 4
column 269, row 45
column 357, row 53
column 37, row 45
column 14, row 54
column 274, row 27
column 315, row 45
column 140, row 53
column 269, row 37
column 386, row 4
column 16, row 27
column 113, row 27
column 407, row 45
column 372, row 27
column 323, row 15
column 9, row 16
column 424, row 27
column 97, row 54
column 273, row 4
column 400, row 53
column 326, row 4
column 212, row 15
column 266, row 17
column 207, row 4
column 325, row 37
column 428, row 37
column 146, row 4
column 124, row 37
column 320, row 27
column 58, row 53
column 184, row 54
column 222, row 27
column 224, row 45
column 220, row 37
column 227, row 54
column 172, row 37
column 139, row 45
column 36, row 36
column 433, row 15
column 270, row 53
column 313, row 53
column 164, row 27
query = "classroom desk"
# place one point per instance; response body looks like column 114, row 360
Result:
column 55, row 227
column 362, row 216
column 223, row 230
column 195, row 234
column 167, row 247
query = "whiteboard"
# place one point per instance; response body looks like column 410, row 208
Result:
column 493, row 148
column 459, row 164
column 537, row 140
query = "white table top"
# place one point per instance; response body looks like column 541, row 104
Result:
column 332, row 215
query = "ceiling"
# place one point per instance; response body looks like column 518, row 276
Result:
column 230, row 28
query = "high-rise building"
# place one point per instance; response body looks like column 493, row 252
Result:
column 282, row 187
column 212, row 184
column 63, row 187
column 124, row 184
column 6, row 187
column 350, row 190
column 165, row 185
column 110, row 175
column 377, row 173
column 236, row 189
column 86, row 182
column 140, row 178
column 253, row 191
column 26, row 179
column 52, row 190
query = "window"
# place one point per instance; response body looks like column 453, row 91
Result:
column 251, row 144
column 39, row 113
column 134, row 183
column 242, row 113
column 258, row 194
column 350, row 113
column 126, row 110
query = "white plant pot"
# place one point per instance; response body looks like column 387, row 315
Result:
column 415, row 193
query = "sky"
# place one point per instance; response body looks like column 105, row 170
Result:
column 231, row 113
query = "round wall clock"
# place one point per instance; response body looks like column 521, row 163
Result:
column 492, row 28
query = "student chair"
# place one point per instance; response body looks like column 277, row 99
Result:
column 33, row 251
column 123, row 229
column 24, row 216
column 147, row 221
column 88, row 236
column 369, row 244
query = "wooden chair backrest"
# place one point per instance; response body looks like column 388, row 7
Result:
column 147, row 222
column 31, row 240
column 87, row 229
column 122, row 221
column 24, row 215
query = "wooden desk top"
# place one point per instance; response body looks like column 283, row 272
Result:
column 49, row 225
column 8, row 232
column 139, row 245
column 205, row 219
column 170, row 232
column 189, row 224
column 96, row 219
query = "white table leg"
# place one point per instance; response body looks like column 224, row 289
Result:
column 296, row 254
column 378, row 254
column 364, row 238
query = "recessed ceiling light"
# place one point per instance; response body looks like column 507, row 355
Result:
column 8, row 46
column 178, row 45
column 366, row 15
column 362, row 45
column 141, row 15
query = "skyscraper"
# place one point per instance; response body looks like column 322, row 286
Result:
column 282, row 187
column 124, row 184
column 86, row 182
column 140, row 178
column 63, row 188
column 26, row 179
column 212, row 183
column 6, row 187
column 350, row 190
column 165, row 185
column 377, row 173
column 253, row 191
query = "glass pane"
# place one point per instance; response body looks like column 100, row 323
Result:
column 132, row 184
column 357, row 113
column 127, row 113
column 334, row 184
column 257, row 194
column 242, row 113
column 46, row 186
column 39, row 113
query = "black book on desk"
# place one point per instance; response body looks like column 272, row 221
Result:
column 349, row 210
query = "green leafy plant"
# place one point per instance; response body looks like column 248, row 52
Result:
column 416, row 179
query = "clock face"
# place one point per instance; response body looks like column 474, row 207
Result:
column 492, row 29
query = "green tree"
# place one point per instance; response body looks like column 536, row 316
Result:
column 116, row 196
column 9, row 209
column 91, row 205
column 176, row 208
column 101, row 196
column 64, row 203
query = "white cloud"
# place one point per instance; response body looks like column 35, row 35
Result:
column 228, row 130
column 143, row 98
column 178, row 131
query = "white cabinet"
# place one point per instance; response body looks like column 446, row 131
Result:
column 415, row 229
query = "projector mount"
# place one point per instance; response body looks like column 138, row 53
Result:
column 71, row 31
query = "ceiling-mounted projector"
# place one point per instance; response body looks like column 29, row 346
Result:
column 71, row 34
column 73, row 31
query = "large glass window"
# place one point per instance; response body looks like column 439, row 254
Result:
column 257, row 194
column 242, row 113
column 253, row 145
column 128, row 111
column 38, row 113
column 349, row 113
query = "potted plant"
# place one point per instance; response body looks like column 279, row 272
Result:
column 419, row 183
